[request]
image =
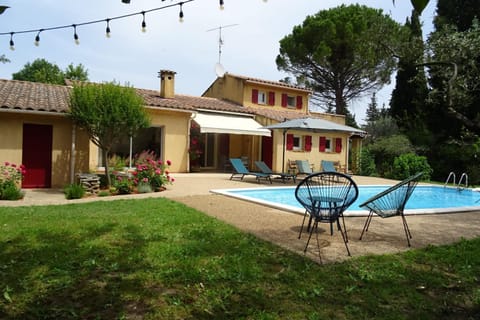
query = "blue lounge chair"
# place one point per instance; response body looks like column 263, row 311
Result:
column 264, row 168
column 303, row 167
column 240, row 171
column 328, row 166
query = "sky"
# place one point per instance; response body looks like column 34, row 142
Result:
column 250, row 32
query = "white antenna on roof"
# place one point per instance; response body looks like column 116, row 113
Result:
column 219, row 70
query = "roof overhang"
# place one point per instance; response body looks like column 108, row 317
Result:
column 229, row 123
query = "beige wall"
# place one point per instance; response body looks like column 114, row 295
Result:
column 227, row 87
column 11, row 133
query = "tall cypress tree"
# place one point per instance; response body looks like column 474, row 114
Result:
column 408, row 101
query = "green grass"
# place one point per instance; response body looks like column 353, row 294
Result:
column 158, row 259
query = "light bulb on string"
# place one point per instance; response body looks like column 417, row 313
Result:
column 12, row 44
column 180, row 15
column 221, row 5
column 37, row 38
column 107, row 30
column 75, row 35
column 144, row 24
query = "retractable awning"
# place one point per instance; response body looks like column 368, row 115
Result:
column 231, row 124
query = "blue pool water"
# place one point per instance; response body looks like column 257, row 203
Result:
column 425, row 199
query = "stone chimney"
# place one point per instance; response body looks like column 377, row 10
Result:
column 167, row 84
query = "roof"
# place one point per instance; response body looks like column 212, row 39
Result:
column 268, row 82
column 33, row 96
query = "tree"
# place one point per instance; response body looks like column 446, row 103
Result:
column 409, row 97
column 108, row 112
column 43, row 71
column 372, row 112
column 459, row 13
column 341, row 53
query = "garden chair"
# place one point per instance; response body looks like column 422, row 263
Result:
column 303, row 167
column 325, row 196
column 328, row 166
column 240, row 171
column 264, row 168
column 391, row 202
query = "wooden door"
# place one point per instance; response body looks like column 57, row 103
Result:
column 37, row 155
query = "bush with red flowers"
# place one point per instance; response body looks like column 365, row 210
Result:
column 151, row 171
column 11, row 177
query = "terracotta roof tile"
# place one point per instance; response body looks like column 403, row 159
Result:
column 269, row 82
column 33, row 96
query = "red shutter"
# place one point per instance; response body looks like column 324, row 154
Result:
column 271, row 98
column 299, row 102
column 284, row 99
column 255, row 96
column 322, row 144
column 289, row 141
column 308, row 143
column 338, row 145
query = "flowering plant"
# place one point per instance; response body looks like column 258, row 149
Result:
column 196, row 147
column 149, row 170
column 11, row 176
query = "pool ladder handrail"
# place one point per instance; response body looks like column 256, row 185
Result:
column 451, row 174
column 460, row 181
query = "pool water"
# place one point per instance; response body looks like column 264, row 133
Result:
column 425, row 199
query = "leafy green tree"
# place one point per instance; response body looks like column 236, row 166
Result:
column 372, row 112
column 341, row 53
column 43, row 71
column 76, row 72
column 108, row 112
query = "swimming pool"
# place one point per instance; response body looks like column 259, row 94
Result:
column 424, row 200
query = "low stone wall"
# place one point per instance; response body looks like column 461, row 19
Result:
column 90, row 182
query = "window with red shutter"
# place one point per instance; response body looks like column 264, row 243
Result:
column 271, row 98
column 255, row 96
column 289, row 141
column 338, row 145
column 322, row 143
column 308, row 143
column 284, row 99
column 299, row 102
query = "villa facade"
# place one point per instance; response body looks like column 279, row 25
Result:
column 35, row 129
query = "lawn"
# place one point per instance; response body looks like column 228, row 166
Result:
column 158, row 259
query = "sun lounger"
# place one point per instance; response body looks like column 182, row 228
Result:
column 240, row 171
column 303, row 167
column 264, row 168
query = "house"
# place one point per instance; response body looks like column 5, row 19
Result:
column 37, row 132
column 274, row 102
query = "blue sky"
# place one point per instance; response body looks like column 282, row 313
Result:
column 129, row 55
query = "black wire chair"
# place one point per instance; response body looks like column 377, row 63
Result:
column 325, row 196
column 391, row 202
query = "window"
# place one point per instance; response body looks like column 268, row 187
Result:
column 297, row 143
column 262, row 97
column 325, row 144
column 292, row 102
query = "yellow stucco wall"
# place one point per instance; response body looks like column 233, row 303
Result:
column 11, row 133
column 227, row 87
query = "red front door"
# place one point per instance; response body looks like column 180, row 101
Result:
column 37, row 155
column 267, row 150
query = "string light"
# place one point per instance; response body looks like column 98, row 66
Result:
column 12, row 44
column 37, row 38
column 75, row 35
column 180, row 15
column 144, row 24
column 107, row 29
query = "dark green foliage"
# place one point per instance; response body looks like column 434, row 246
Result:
column 386, row 149
column 10, row 191
column 74, row 191
column 367, row 163
column 409, row 164
column 459, row 13
column 341, row 53
column 43, row 71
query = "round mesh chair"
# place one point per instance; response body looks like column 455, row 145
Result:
column 325, row 196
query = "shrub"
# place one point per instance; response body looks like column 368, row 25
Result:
column 104, row 193
column 74, row 191
column 367, row 163
column 123, row 184
column 11, row 176
column 409, row 164
column 150, row 171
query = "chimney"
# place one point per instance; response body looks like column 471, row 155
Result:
column 167, row 84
